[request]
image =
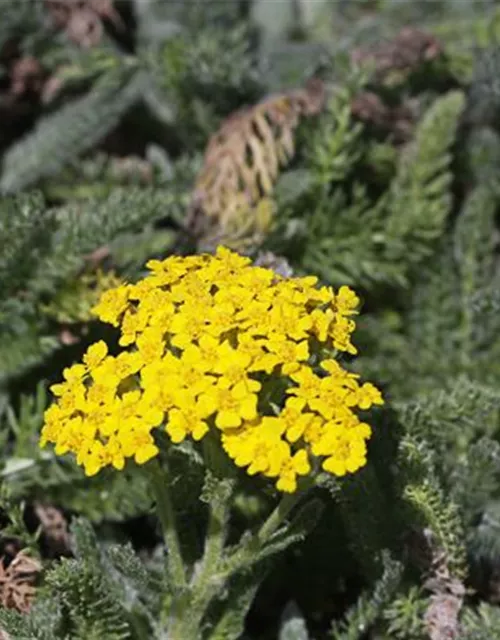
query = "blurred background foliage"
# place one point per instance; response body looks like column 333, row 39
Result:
column 358, row 140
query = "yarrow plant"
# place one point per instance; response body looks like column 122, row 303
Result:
column 218, row 350
column 215, row 345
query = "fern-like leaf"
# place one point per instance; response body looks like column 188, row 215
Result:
column 370, row 606
column 74, row 129
column 420, row 196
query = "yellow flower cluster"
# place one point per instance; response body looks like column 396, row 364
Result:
column 213, row 344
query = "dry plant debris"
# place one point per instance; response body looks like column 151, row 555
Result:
column 242, row 162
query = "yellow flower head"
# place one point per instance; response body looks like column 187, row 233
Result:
column 214, row 345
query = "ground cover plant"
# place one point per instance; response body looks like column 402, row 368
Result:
column 249, row 320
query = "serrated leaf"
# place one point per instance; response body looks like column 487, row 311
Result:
column 74, row 129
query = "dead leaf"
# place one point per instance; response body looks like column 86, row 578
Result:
column 54, row 526
column 403, row 54
column 17, row 582
column 243, row 159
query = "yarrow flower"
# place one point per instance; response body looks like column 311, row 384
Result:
column 213, row 345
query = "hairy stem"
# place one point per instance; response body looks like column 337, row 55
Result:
column 276, row 517
column 166, row 515
column 243, row 556
column 207, row 582
column 214, row 544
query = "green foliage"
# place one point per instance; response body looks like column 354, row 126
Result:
column 425, row 496
column 364, row 505
column 204, row 76
column 405, row 615
column 72, row 130
column 361, row 617
column 235, row 606
column 19, row 20
column 461, row 282
column 393, row 189
column 420, row 197
column 350, row 236
column 481, row 623
column 65, row 237
column 82, row 597
column 27, row 223
column 463, row 37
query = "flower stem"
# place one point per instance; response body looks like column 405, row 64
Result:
column 243, row 556
column 214, row 544
column 206, row 584
column 276, row 517
column 166, row 515
column 283, row 508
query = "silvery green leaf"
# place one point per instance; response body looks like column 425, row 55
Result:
column 293, row 625
column 15, row 465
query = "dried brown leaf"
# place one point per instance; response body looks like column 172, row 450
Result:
column 26, row 75
column 404, row 54
column 17, row 582
column 97, row 257
column 243, row 159
column 278, row 264
column 442, row 616
column 68, row 338
column 84, row 28
column 82, row 20
column 397, row 121
column 54, row 527
column 132, row 169
column 105, row 10
column 441, row 620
